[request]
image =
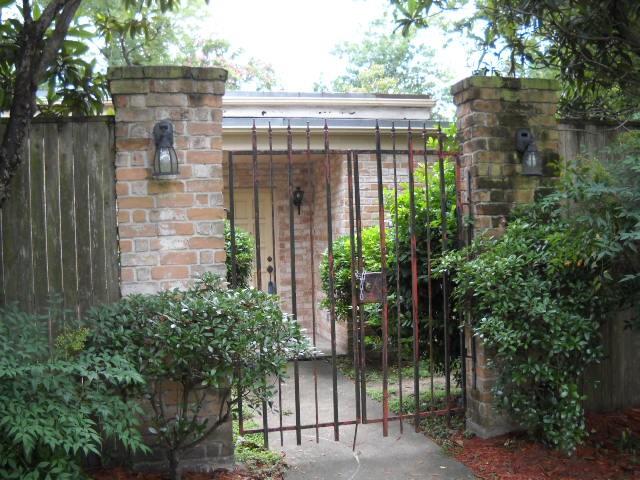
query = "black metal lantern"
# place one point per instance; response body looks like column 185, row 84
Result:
column 165, row 160
column 297, row 198
column 531, row 158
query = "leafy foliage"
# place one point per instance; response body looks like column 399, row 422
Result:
column 126, row 32
column 71, row 82
column 251, row 453
column 539, row 293
column 428, row 216
column 592, row 47
column 244, row 72
column 386, row 62
column 244, row 256
column 57, row 405
column 132, row 33
column 142, row 34
column 210, row 342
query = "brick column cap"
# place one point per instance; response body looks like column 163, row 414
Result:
column 167, row 72
column 167, row 79
column 505, row 83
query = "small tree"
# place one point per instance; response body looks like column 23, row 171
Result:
column 213, row 343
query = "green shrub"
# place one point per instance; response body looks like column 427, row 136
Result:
column 539, row 293
column 209, row 340
column 58, row 405
column 244, row 256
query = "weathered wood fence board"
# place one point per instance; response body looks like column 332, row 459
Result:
column 613, row 383
column 58, row 229
column 578, row 138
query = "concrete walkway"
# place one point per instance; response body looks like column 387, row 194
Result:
column 407, row 456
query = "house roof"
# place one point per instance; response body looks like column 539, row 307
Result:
column 345, row 111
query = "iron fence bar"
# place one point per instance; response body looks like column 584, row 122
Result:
column 354, row 298
column 383, row 151
column 273, row 212
column 294, row 305
column 463, row 345
column 313, row 279
column 332, row 299
column 445, row 299
column 274, row 267
column 256, row 213
column 474, row 379
column 256, row 205
column 362, row 350
column 393, row 418
column 265, row 420
column 397, row 254
column 234, row 265
column 414, row 281
column 232, row 225
column 385, row 300
column 429, row 282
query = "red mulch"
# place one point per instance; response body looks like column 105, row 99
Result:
column 123, row 474
column 513, row 457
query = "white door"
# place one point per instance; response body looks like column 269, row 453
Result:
column 244, row 219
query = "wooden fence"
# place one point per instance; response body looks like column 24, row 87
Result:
column 579, row 138
column 58, row 229
column 613, row 383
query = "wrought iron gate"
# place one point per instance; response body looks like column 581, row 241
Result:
column 424, row 150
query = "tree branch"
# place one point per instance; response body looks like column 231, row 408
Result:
column 38, row 53
column 26, row 11
column 54, row 43
column 218, row 423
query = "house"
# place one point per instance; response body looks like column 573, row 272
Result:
column 351, row 123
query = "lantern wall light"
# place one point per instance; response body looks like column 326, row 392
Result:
column 297, row 198
column 531, row 158
column 165, row 160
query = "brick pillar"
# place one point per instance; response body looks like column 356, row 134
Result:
column 171, row 229
column 490, row 110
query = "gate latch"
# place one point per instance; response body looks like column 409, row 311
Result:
column 371, row 284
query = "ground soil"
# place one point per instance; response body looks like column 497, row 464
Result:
column 123, row 474
column 608, row 454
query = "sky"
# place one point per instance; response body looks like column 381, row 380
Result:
column 297, row 36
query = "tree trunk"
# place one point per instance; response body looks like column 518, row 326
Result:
column 39, row 51
column 22, row 110
column 174, row 473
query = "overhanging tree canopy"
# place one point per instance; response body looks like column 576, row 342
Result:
column 37, row 48
column 45, row 64
column 593, row 47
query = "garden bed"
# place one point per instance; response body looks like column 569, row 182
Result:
column 611, row 452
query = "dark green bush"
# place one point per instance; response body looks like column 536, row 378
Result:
column 58, row 403
column 244, row 255
column 208, row 340
column 538, row 294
